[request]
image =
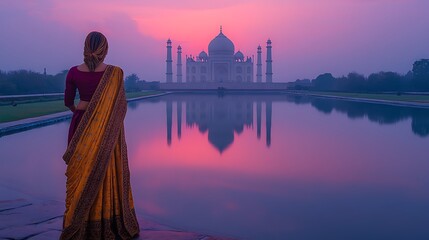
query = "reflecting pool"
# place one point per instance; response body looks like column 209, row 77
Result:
column 257, row 166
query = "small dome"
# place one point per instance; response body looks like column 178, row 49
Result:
column 239, row 56
column 203, row 55
column 221, row 45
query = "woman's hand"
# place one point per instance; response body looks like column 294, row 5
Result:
column 72, row 108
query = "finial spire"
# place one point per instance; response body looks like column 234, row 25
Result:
column 220, row 28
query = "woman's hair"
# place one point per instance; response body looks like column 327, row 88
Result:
column 95, row 50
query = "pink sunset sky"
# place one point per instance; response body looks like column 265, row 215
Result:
column 309, row 37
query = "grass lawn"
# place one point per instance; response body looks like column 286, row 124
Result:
column 28, row 110
column 141, row 94
column 389, row 97
column 34, row 109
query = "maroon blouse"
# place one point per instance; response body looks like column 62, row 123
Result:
column 85, row 82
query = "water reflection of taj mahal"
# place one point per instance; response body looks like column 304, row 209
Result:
column 220, row 117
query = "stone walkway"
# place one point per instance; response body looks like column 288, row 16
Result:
column 23, row 217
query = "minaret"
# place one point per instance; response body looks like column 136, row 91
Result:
column 259, row 66
column 179, row 64
column 169, row 106
column 169, row 74
column 179, row 119
column 269, row 73
column 258, row 118
column 268, row 115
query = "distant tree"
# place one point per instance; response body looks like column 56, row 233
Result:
column 421, row 75
column 421, row 68
column 131, row 83
column 6, row 86
column 324, row 82
column 58, row 81
column 408, row 76
column 385, row 81
column 407, row 81
column 355, row 82
column 301, row 84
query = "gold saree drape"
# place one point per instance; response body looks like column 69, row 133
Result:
column 99, row 203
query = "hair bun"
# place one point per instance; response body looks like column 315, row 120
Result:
column 95, row 50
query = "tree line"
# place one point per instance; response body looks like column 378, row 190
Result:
column 416, row 80
column 29, row 82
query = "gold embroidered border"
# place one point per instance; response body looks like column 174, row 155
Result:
column 130, row 221
column 108, row 229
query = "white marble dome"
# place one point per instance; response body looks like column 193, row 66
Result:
column 203, row 55
column 239, row 56
column 221, row 45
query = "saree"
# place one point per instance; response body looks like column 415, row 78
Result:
column 99, row 202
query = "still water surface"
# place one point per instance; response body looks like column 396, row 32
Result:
column 257, row 166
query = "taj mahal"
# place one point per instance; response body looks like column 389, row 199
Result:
column 222, row 67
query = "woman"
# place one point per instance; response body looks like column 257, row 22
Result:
column 99, row 203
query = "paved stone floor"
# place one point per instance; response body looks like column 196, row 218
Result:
column 23, row 217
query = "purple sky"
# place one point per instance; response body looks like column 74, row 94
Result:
column 309, row 36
